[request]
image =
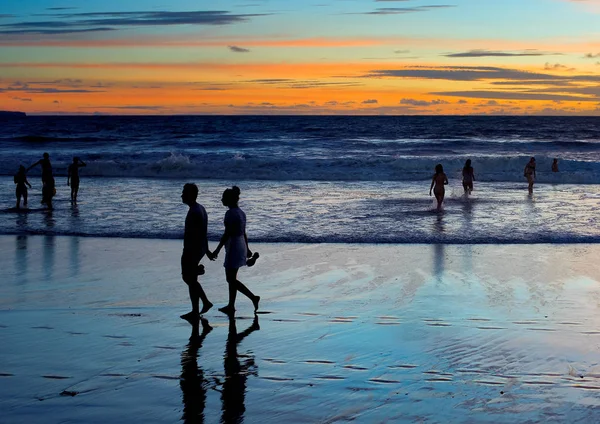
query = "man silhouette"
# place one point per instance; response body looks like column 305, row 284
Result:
column 195, row 246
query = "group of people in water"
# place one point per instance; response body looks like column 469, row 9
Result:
column 48, row 181
column 440, row 179
column 195, row 247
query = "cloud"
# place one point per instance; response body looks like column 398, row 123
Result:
column 475, row 73
column 303, row 84
column 557, row 67
column 109, row 21
column 490, row 53
column 483, row 94
column 414, row 102
column 404, row 10
column 370, row 102
column 401, row 51
column 22, row 99
column 129, row 107
column 592, row 55
column 462, row 102
column 237, row 49
column 24, row 87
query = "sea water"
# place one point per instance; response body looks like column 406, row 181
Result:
column 311, row 179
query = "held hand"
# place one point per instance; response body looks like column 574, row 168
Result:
column 248, row 253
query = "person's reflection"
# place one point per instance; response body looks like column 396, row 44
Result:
column 234, row 386
column 74, row 254
column 21, row 259
column 439, row 224
column 48, row 256
column 192, row 383
column 49, row 219
column 438, row 260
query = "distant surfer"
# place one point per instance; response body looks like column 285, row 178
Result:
column 73, row 177
column 195, row 246
column 22, row 183
column 468, row 175
column 529, row 173
column 438, row 182
column 555, row 165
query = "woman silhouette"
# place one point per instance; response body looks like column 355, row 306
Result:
column 237, row 252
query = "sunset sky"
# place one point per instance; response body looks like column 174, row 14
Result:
column 300, row 57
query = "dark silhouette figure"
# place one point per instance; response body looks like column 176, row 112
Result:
column 439, row 180
column 22, row 183
column 468, row 174
column 48, row 191
column 529, row 173
column 234, row 387
column 195, row 246
column 237, row 252
column 555, row 165
column 73, row 177
column 192, row 383
column 48, row 183
column 46, row 167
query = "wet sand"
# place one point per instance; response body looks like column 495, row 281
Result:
column 91, row 332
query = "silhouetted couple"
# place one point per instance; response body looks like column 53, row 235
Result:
column 195, row 246
column 193, row 384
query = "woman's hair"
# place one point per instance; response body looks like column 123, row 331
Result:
column 22, row 168
column 439, row 168
column 468, row 163
column 231, row 196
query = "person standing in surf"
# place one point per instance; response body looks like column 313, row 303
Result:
column 529, row 173
column 438, row 182
column 46, row 167
column 22, row 183
column 73, row 177
column 237, row 252
column 195, row 246
column 468, row 174
column 48, row 184
column 555, row 165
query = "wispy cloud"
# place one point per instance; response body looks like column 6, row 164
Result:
column 237, row 49
column 507, row 95
column 557, row 67
column 109, row 21
column 491, row 53
column 415, row 102
column 369, row 101
column 476, row 73
column 405, row 10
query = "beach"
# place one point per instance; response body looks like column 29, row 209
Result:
column 346, row 332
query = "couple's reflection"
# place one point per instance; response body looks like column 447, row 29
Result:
column 194, row 386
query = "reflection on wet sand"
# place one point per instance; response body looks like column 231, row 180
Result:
column 21, row 259
column 48, row 257
column 236, row 374
column 192, row 383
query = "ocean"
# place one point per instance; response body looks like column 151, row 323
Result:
column 320, row 179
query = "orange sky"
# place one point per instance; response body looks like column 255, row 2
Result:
column 371, row 57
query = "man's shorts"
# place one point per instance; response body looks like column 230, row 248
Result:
column 189, row 263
